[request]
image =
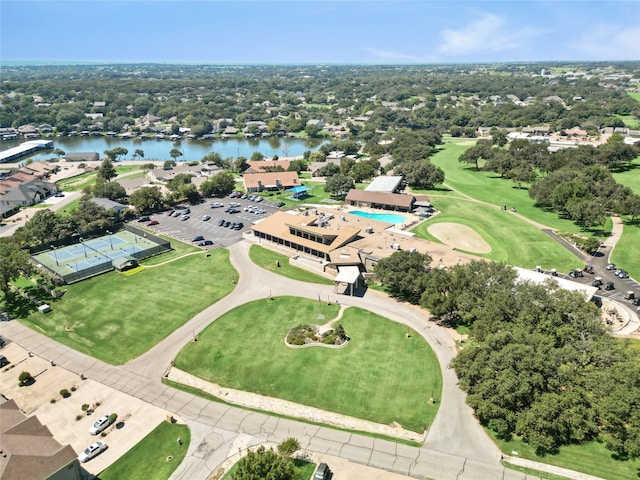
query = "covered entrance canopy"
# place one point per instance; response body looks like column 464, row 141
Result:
column 349, row 275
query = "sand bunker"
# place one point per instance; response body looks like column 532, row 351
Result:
column 459, row 236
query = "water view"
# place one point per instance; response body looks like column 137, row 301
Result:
column 191, row 149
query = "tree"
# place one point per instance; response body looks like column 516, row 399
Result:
column 420, row 173
column 339, row 185
column 138, row 153
column 263, row 464
column 111, row 190
column 498, row 137
column 58, row 152
column 169, row 164
column 13, row 261
column 176, row 183
column 403, row 273
column 290, row 445
column 90, row 216
column 45, row 226
column 106, row 170
column 361, row 171
column 257, row 156
column 146, row 199
column 480, row 151
column 218, row 185
column 175, row 153
column 189, row 192
column 328, row 170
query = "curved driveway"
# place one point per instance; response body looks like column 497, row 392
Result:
column 455, row 447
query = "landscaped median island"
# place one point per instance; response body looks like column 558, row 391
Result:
column 116, row 318
column 386, row 373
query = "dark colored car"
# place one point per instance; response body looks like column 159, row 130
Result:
column 197, row 238
column 589, row 269
column 4, row 361
column 144, row 219
column 238, row 226
column 227, row 223
column 322, row 472
column 204, row 243
column 609, row 286
column 220, row 222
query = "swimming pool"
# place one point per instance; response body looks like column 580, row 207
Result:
column 382, row 217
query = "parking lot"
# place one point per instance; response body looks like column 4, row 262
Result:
column 65, row 418
column 187, row 229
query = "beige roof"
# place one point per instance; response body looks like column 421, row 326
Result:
column 271, row 179
column 382, row 198
column 262, row 165
column 335, row 234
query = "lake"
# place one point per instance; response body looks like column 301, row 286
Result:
column 191, row 149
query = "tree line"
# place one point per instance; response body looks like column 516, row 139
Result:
column 542, row 365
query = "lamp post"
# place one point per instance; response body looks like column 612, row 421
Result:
column 110, row 241
column 54, row 254
column 83, row 246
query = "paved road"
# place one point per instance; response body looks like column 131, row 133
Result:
column 455, row 446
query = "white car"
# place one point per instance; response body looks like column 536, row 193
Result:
column 91, row 451
column 102, row 423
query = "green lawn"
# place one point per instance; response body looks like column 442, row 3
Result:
column 489, row 187
column 512, row 239
column 634, row 95
column 629, row 176
column 625, row 255
column 592, row 458
column 279, row 263
column 115, row 317
column 374, row 377
column 630, row 121
column 148, row 459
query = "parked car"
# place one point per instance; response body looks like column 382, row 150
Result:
column 609, row 286
column 621, row 274
column 234, row 204
column 227, row 223
column 596, row 282
column 205, row 217
column 220, row 222
column 143, row 219
column 184, row 217
column 238, row 226
column 197, row 238
column 259, row 199
column 589, row 269
column 152, row 223
column 629, row 295
column 217, row 205
column 92, row 451
column 322, row 472
column 611, row 266
column 204, row 243
column 280, row 204
column 102, row 423
column 4, row 361
column 59, row 194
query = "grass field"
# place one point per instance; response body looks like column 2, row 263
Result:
column 630, row 177
column 279, row 263
column 490, row 188
column 625, row 255
column 512, row 240
column 116, row 318
column 634, row 95
column 630, row 121
column 374, row 377
column 592, row 458
column 148, row 459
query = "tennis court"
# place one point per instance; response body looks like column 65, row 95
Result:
column 86, row 258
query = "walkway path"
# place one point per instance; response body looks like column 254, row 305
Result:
column 455, row 446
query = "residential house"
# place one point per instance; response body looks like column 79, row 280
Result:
column 26, row 193
column 267, row 165
column 315, row 123
column 258, row 182
column 29, row 450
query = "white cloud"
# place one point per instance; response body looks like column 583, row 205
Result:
column 489, row 33
column 393, row 56
column 609, row 42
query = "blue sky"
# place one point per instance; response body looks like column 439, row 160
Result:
column 309, row 31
